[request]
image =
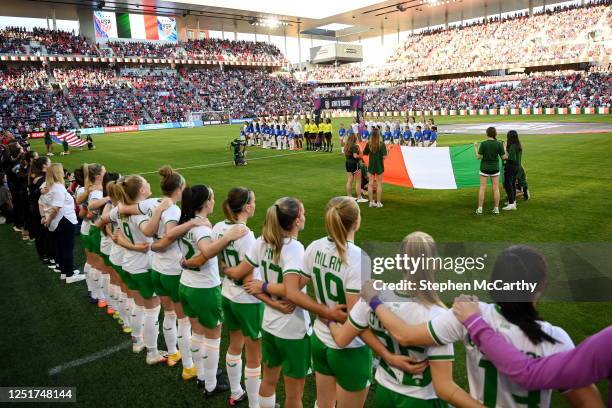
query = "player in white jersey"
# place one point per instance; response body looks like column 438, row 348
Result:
column 334, row 265
column 81, row 198
column 144, row 320
column 166, row 272
column 514, row 315
column 286, row 328
column 200, row 286
column 297, row 132
column 428, row 381
column 242, row 313
column 109, row 275
column 93, row 175
column 355, row 127
column 118, row 245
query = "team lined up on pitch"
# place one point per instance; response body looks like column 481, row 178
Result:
column 147, row 253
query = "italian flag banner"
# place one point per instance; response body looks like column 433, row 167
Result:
column 433, row 168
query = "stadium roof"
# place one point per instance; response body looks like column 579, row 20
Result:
column 364, row 18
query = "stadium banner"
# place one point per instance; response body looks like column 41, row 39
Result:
column 525, row 111
column 462, row 112
column 575, row 111
column 514, row 111
column 492, row 111
column 549, row 111
column 241, row 120
column 92, row 131
column 503, row 111
column 473, row 112
column 105, row 24
column 537, row 111
column 482, row 112
column 432, row 168
column 435, row 113
column 155, row 126
column 453, row 112
column 117, row 129
column 427, row 113
column 562, row 111
column 603, row 110
column 589, row 111
column 40, row 135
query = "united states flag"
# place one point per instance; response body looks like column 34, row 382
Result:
column 71, row 138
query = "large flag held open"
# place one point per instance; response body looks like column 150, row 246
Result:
column 71, row 138
column 434, row 168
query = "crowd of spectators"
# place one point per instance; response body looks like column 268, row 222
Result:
column 249, row 93
column 34, row 99
column 232, row 51
column 567, row 32
column 165, row 97
column 27, row 103
column 16, row 40
column 146, row 49
column 547, row 90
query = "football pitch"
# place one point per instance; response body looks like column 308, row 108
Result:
column 53, row 337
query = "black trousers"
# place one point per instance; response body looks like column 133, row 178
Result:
column 64, row 244
column 510, row 173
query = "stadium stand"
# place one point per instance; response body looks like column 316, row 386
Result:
column 565, row 33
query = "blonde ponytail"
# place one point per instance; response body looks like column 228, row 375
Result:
column 419, row 244
column 341, row 215
column 278, row 222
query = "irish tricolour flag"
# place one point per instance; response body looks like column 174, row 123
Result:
column 434, row 168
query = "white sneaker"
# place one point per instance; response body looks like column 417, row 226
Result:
column 56, row 269
column 495, row 211
column 137, row 346
column 75, row 278
column 2, row 220
column 510, row 207
column 362, row 200
column 17, row 229
column 63, row 277
column 479, row 211
column 50, row 154
column 159, row 357
column 372, row 204
column 379, row 205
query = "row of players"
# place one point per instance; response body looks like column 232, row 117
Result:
column 282, row 135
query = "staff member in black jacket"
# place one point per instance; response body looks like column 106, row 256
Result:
column 514, row 151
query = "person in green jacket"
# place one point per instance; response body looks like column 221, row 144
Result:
column 489, row 152
column 512, row 166
column 376, row 151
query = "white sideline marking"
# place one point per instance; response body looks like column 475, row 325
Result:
column 88, row 359
column 226, row 162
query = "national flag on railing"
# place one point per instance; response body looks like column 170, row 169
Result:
column 71, row 138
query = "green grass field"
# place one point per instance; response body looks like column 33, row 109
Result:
column 47, row 324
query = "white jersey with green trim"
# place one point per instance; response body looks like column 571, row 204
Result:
column 117, row 251
column 106, row 242
column 232, row 255
column 168, row 261
column 85, row 223
column 207, row 275
column 290, row 326
column 333, row 279
column 418, row 386
column 486, row 384
column 133, row 261
column 93, row 196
